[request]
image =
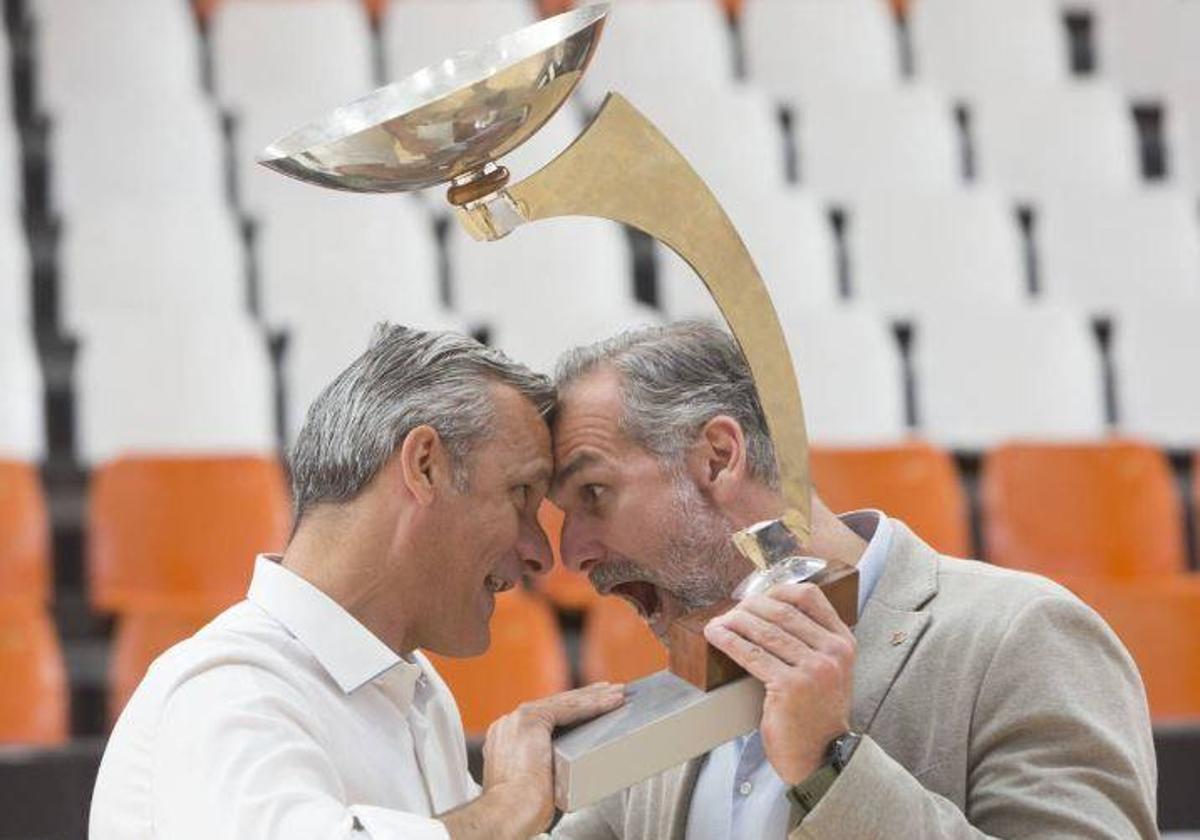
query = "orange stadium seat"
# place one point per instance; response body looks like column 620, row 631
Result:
column 1159, row 622
column 914, row 482
column 33, row 703
column 138, row 641
column 24, row 535
column 526, row 660
column 172, row 533
column 618, row 646
column 1107, row 509
column 568, row 590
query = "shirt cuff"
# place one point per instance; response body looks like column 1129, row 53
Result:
column 385, row 824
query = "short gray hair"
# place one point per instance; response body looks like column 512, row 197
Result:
column 674, row 379
column 406, row 378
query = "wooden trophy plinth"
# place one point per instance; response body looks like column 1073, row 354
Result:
column 692, row 658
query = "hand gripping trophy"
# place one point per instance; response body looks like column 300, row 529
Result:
column 449, row 123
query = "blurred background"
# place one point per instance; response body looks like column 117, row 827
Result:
column 979, row 221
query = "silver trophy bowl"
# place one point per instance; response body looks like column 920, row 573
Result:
column 447, row 121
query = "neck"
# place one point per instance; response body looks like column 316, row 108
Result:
column 342, row 550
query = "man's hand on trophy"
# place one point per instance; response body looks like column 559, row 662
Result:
column 518, row 764
column 792, row 639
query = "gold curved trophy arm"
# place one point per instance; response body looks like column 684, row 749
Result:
column 622, row 168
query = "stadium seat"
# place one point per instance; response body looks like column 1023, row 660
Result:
column 536, row 341
column 790, row 237
column 641, row 34
column 173, row 385
column 11, row 197
column 910, row 251
column 850, row 373
column 1155, row 348
column 181, row 533
column 1158, row 621
column 914, row 482
column 160, row 261
column 296, row 60
column 975, row 48
column 1033, row 143
column 139, row 639
column 1104, row 251
column 172, row 155
column 33, row 705
column 25, row 560
column 15, row 277
column 617, row 644
column 800, row 49
column 330, row 255
column 1138, row 45
column 861, row 142
column 1108, row 509
column 135, row 56
column 525, row 661
column 22, row 436
column 418, row 33
column 985, row 374
column 568, row 590
column 565, row 265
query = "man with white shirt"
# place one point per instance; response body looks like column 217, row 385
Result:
column 306, row 711
column 968, row 701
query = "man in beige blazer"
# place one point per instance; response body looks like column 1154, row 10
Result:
column 969, row 701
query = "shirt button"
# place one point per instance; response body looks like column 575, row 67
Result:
column 744, row 788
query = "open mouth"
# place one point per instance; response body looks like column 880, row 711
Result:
column 643, row 595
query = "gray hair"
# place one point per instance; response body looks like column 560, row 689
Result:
column 674, row 379
column 406, row 378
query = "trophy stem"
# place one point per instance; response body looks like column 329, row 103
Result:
column 477, row 184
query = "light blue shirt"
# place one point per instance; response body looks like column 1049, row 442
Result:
column 738, row 794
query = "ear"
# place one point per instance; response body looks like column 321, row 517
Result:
column 719, row 457
column 424, row 464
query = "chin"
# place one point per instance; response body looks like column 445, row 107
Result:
column 463, row 645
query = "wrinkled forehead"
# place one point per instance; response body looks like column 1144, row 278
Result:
column 520, row 442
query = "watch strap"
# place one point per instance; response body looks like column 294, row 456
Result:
column 808, row 793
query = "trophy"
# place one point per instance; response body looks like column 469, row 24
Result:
column 448, row 124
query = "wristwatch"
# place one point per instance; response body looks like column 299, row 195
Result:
column 808, row 793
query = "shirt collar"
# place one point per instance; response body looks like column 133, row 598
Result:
column 874, row 527
column 350, row 653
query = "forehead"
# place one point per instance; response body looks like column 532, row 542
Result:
column 589, row 418
column 520, row 440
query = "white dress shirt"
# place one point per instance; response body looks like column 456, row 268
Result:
column 738, row 793
column 285, row 717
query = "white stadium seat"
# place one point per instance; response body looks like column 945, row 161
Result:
column 663, row 45
column 1137, row 43
column 418, row 33
column 173, row 155
column 22, row 434
column 15, row 300
column 320, row 349
column 1104, row 251
column 975, row 48
column 986, row 374
column 850, row 373
column 800, row 48
column 790, row 237
column 332, row 254
column 915, row 250
column 134, row 55
column 173, row 386
column 537, row 341
column 296, row 59
column 555, row 267
column 864, row 141
column 1155, row 349
column 1064, row 137
column 174, row 261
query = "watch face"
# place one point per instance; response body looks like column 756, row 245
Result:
column 843, row 748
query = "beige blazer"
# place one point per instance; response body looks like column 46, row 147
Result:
column 995, row 704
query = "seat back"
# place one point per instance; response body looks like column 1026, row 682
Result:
column 22, row 435
column 34, row 702
column 618, row 646
column 1108, row 509
column 25, row 568
column 139, row 639
column 525, row 661
column 914, row 482
column 178, row 533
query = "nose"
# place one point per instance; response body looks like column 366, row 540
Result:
column 580, row 549
column 534, row 548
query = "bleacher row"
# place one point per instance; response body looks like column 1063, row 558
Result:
column 980, row 223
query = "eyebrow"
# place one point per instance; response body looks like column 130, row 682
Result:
column 579, row 462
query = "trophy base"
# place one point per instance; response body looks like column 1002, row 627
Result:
column 692, row 658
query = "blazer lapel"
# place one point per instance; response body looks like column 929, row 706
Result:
column 892, row 622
